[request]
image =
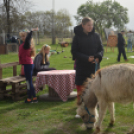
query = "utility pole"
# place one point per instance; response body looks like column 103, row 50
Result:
column 53, row 23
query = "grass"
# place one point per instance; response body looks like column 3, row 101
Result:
column 57, row 117
column 49, row 40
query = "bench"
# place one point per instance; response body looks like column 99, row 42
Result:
column 18, row 85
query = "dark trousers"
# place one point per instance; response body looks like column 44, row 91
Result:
column 121, row 51
column 28, row 69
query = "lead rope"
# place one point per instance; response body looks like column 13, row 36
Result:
column 96, row 66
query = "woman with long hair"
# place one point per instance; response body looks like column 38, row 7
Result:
column 26, row 52
column 41, row 61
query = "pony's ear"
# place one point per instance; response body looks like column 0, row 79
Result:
column 80, row 109
column 86, row 82
column 92, row 100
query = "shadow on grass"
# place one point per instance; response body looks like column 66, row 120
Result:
column 69, row 124
column 108, row 129
column 74, row 126
column 8, row 105
column 54, row 131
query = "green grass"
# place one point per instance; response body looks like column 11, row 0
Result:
column 49, row 40
column 57, row 117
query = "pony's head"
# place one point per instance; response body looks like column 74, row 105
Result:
column 87, row 105
column 88, row 117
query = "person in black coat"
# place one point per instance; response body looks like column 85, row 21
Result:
column 121, row 46
column 86, row 50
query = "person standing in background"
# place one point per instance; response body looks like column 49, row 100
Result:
column 129, row 41
column 86, row 50
column 121, row 46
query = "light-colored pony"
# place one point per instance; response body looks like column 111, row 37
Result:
column 111, row 84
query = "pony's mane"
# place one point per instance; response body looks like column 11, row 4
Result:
column 98, row 73
column 84, row 89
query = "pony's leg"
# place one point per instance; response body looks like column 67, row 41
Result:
column 132, row 129
column 111, row 111
column 102, row 111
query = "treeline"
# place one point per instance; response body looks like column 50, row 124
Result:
column 43, row 20
column 105, row 14
column 15, row 15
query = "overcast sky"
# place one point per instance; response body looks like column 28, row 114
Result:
column 72, row 6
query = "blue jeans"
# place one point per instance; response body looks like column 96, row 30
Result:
column 28, row 69
column 129, row 45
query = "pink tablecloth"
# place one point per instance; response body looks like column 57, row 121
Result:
column 62, row 81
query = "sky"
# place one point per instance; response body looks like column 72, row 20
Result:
column 72, row 5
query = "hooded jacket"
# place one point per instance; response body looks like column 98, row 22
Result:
column 121, row 40
column 84, row 46
column 25, row 51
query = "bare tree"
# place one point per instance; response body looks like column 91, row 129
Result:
column 63, row 22
column 11, row 8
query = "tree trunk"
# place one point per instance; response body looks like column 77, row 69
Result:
column 7, row 6
column 8, row 23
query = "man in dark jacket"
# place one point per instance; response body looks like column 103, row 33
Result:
column 121, row 46
column 86, row 50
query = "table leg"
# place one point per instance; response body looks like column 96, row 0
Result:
column 53, row 96
column 52, row 93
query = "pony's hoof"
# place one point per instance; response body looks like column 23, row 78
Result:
column 96, row 133
column 111, row 124
column 97, row 130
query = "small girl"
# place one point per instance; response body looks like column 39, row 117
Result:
column 26, row 51
column 41, row 61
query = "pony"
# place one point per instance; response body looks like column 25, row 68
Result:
column 111, row 84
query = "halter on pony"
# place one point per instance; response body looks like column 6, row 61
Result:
column 90, row 115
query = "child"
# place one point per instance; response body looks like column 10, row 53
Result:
column 86, row 49
column 41, row 61
column 26, row 51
